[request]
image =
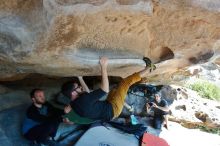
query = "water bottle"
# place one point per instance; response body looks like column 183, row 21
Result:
column 134, row 120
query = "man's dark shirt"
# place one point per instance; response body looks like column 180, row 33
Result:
column 88, row 105
column 159, row 112
column 36, row 116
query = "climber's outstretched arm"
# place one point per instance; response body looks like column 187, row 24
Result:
column 105, row 82
column 83, row 84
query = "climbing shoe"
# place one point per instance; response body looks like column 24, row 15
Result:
column 149, row 63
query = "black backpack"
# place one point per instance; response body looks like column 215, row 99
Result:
column 137, row 130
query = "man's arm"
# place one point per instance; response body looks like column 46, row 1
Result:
column 105, row 82
column 147, row 108
column 83, row 84
column 165, row 108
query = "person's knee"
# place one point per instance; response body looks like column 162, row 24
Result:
column 51, row 126
column 165, row 118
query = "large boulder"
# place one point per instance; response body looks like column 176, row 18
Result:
column 66, row 37
column 10, row 127
column 3, row 89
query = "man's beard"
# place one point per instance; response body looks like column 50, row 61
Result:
column 40, row 102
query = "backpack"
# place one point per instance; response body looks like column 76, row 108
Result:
column 137, row 130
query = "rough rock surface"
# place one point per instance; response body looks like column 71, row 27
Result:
column 66, row 37
column 3, row 89
column 189, row 109
column 207, row 71
column 136, row 100
column 14, row 116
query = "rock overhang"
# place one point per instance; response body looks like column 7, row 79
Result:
column 66, row 38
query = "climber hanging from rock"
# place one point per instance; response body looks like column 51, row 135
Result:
column 86, row 104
